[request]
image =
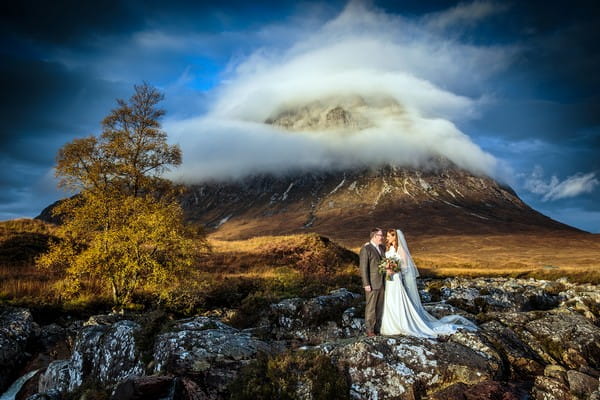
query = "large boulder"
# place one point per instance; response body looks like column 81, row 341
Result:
column 206, row 350
column 522, row 361
column 102, row 355
column 16, row 328
column 405, row 367
column 481, row 295
column 558, row 336
column 317, row 319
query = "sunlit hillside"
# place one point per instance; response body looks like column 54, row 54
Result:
column 248, row 274
column 575, row 256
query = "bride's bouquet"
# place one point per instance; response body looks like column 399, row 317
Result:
column 388, row 266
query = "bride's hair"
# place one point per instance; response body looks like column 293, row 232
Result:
column 394, row 241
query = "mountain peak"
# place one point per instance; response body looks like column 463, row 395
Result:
column 351, row 113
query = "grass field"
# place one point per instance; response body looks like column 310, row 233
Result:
column 245, row 274
column 250, row 273
column 544, row 256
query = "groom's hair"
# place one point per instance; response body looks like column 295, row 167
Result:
column 374, row 231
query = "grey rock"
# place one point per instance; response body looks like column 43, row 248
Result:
column 480, row 295
column 523, row 361
column 16, row 328
column 568, row 338
column 317, row 319
column 57, row 377
column 206, row 348
column 439, row 310
column 352, row 321
column 558, row 336
column 404, row 367
column 103, row 354
column 580, row 384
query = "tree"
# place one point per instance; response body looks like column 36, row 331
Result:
column 130, row 155
column 126, row 226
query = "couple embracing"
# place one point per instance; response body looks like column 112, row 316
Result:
column 393, row 305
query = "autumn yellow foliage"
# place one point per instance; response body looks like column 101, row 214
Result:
column 125, row 227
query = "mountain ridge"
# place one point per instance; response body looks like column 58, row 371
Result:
column 346, row 204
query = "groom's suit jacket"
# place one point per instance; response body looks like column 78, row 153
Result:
column 369, row 261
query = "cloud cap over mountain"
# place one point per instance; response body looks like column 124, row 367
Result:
column 410, row 79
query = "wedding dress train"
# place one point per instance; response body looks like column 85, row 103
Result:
column 403, row 312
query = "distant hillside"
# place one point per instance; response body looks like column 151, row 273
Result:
column 21, row 240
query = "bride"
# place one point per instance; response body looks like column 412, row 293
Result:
column 403, row 312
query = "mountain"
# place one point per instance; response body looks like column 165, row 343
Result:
column 344, row 205
column 439, row 198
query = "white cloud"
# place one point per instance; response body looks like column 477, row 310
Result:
column 555, row 189
column 464, row 14
column 364, row 52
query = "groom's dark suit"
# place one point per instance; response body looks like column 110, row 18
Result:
column 369, row 261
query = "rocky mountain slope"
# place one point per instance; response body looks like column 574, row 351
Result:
column 344, row 205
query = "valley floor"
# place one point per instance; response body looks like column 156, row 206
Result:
column 575, row 256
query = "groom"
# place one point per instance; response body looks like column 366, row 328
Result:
column 370, row 256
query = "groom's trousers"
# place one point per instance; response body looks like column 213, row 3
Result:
column 374, row 309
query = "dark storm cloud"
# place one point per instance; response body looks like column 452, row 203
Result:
column 68, row 22
column 73, row 22
column 44, row 104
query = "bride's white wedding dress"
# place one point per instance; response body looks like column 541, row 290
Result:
column 403, row 312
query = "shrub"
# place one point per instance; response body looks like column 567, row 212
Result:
column 291, row 375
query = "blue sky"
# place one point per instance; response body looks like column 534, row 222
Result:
column 515, row 84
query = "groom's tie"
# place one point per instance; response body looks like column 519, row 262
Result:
column 378, row 250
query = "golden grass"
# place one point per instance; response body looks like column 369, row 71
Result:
column 549, row 256
column 8, row 228
column 21, row 240
column 272, row 267
column 541, row 256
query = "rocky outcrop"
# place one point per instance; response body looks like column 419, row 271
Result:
column 315, row 320
column 16, row 328
column 536, row 339
column 483, row 295
column 405, row 367
column 103, row 355
column 208, row 350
